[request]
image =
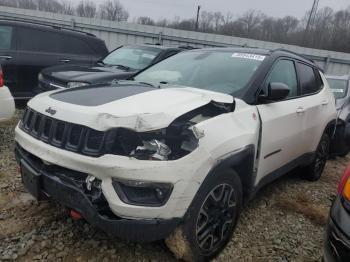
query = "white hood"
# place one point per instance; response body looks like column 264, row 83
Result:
column 146, row 111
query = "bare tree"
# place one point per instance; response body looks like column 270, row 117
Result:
column 145, row 20
column 113, row 10
column 86, row 9
column 67, row 8
column 26, row 4
column 9, row 3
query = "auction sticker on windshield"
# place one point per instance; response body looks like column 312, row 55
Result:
column 249, row 56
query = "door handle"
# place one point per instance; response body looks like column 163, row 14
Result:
column 324, row 102
column 300, row 110
column 6, row 57
column 65, row 60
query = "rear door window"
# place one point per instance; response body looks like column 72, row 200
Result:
column 308, row 80
column 5, row 37
column 36, row 40
column 74, row 45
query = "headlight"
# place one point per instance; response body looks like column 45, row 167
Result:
column 155, row 149
column 40, row 77
column 76, row 84
column 159, row 145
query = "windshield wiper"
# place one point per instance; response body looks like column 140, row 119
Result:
column 100, row 62
column 123, row 67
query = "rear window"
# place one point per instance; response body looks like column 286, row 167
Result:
column 5, row 37
column 37, row 40
column 132, row 57
column 309, row 83
column 339, row 87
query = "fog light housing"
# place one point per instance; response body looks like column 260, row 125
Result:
column 141, row 193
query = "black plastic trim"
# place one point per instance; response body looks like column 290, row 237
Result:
column 68, row 194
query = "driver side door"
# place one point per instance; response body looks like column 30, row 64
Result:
column 281, row 130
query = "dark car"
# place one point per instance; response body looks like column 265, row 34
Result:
column 337, row 244
column 122, row 63
column 340, row 88
column 27, row 48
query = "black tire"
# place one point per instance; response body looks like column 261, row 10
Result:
column 313, row 172
column 211, row 219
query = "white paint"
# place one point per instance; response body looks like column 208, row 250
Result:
column 7, row 104
column 282, row 128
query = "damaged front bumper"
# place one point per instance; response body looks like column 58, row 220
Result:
column 66, row 187
column 184, row 175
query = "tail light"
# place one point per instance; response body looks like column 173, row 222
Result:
column 1, row 78
column 344, row 185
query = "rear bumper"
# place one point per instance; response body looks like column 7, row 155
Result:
column 337, row 244
column 65, row 187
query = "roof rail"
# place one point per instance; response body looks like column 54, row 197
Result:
column 294, row 53
column 187, row 47
column 47, row 25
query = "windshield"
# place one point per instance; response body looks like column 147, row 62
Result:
column 220, row 71
column 132, row 57
column 338, row 86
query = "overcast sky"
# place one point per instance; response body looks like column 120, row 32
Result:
column 187, row 8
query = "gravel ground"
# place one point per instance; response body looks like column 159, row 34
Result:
column 285, row 222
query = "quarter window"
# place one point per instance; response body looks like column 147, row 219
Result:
column 73, row 45
column 308, row 81
column 5, row 37
column 284, row 72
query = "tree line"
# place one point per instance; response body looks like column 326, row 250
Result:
column 110, row 9
column 329, row 29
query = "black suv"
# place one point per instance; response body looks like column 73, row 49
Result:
column 122, row 63
column 27, row 48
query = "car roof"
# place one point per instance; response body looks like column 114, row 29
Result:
column 47, row 27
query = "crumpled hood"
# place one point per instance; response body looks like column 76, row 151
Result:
column 134, row 106
column 86, row 73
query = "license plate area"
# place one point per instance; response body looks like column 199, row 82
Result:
column 31, row 180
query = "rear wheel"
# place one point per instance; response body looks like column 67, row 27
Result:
column 211, row 219
column 314, row 171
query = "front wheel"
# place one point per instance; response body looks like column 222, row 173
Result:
column 314, row 171
column 211, row 219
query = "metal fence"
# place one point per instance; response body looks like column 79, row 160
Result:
column 119, row 33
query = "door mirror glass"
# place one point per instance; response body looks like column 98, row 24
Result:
column 275, row 91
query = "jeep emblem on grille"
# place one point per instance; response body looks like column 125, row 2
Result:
column 50, row 111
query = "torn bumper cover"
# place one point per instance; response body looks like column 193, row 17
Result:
column 66, row 187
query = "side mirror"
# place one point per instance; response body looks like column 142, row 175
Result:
column 275, row 91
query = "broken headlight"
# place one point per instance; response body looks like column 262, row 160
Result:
column 154, row 150
column 169, row 143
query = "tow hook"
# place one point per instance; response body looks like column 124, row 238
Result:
column 75, row 215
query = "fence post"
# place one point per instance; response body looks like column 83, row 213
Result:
column 328, row 58
column 160, row 38
column 72, row 23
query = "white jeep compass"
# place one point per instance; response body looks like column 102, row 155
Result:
column 175, row 152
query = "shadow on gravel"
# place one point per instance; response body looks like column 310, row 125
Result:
column 301, row 204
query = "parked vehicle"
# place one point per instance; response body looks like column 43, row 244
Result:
column 175, row 153
column 337, row 244
column 340, row 88
column 27, row 48
column 121, row 63
column 7, row 104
